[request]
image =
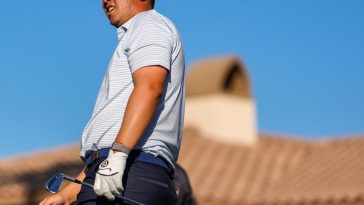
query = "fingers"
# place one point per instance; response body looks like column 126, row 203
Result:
column 106, row 190
column 101, row 187
column 97, row 185
column 119, row 184
column 109, row 196
column 105, row 186
column 43, row 201
column 113, row 188
column 47, row 201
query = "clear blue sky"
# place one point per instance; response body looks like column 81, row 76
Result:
column 305, row 59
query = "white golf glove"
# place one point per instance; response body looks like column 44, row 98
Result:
column 109, row 177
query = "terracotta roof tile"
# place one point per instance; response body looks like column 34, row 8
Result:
column 221, row 171
column 333, row 169
column 22, row 177
column 272, row 167
column 275, row 170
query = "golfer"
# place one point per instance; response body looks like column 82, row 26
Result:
column 133, row 138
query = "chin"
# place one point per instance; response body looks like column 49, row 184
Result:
column 113, row 24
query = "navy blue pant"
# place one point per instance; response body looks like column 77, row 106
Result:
column 143, row 182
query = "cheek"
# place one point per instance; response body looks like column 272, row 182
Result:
column 117, row 13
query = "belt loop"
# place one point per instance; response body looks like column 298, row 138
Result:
column 95, row 155
column 91, row 155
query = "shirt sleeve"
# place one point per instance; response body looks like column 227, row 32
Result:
column 150, row 44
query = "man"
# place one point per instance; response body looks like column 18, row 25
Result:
column 132, row 140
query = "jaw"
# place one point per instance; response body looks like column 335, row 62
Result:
column 116, row 20
column 114, row 16
column 118, row 13
column 111, row 12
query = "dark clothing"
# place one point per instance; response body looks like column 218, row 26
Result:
column 183, row 187
column 143, row 182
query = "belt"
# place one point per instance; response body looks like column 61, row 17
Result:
column 135, row 155
column 93, row 155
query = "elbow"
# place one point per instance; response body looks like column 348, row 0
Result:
column 157, row 92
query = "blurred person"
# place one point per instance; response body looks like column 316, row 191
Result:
column 183, row 187
column 131, row 143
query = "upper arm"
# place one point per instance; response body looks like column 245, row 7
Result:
column 151, row 78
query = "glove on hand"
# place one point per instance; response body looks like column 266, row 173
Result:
column 109, row 177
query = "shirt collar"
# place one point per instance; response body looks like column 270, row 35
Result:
column 121, row 31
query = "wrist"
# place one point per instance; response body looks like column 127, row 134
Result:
column 119, row 147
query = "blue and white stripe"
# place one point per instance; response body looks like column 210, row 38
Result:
column 147, row 39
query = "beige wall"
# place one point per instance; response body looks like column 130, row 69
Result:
column 223, row 117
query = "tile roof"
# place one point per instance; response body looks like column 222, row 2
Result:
column 22, row 177
column 223, row 171
column 333, row 170
column 276, row 170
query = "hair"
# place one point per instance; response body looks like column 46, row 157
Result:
column 152, row 2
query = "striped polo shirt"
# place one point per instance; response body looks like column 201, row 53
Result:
column 146, row 39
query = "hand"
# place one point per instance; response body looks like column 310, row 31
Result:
column 109, row 177
column 55, row 199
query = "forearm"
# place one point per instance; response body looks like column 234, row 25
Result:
column 71, row 190
column 138, row 114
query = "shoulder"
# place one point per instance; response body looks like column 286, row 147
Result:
column 152, row 21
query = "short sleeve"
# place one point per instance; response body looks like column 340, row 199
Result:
column 149, row 43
